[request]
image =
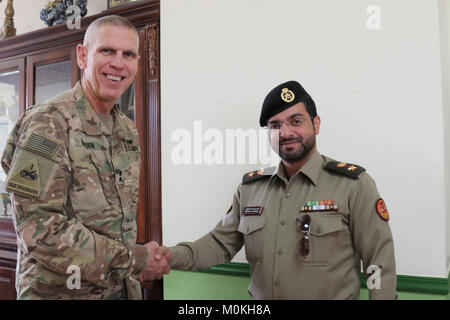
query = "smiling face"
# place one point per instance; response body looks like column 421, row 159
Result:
column 109, row 61
column 295, row 140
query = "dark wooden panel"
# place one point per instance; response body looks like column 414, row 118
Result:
column 7, row 290
column 152, row 290
column 141, row 124
column 154, row 134
column 7, row 275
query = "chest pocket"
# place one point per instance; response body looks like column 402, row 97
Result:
column 127, row 166
column 330, row 236
column 86, row 192
column 93, row 176
column 252, row 229
column 106, row 174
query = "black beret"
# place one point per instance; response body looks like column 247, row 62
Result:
column 283, row 97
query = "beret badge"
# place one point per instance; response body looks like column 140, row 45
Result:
column 287, row 95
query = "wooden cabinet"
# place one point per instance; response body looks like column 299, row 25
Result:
column 39, row 64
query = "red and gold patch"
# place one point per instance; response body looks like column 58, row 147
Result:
column 381, row 208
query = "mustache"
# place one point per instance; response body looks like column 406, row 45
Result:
column 284, row 141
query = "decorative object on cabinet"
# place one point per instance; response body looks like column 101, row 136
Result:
column 8, row 26
column 57, row 11
column 116, row 3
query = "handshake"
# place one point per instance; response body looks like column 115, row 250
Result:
column 157, row 263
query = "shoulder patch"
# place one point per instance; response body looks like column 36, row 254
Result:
column 257, row 175
column 26, row 181
column 381, row 208
column 42, row 145
column 346, row 169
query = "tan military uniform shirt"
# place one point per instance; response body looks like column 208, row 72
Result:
column 339, row 239
column 75, row 184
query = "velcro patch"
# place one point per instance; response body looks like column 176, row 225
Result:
column 41, row 145
column 132, row 148
column 26, row 181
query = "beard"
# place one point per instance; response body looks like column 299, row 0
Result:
column 296, row 155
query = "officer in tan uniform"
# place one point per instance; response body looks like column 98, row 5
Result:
column 73, row 166
column 306, row 224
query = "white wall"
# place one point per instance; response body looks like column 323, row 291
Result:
column 379, row 93
column 27, row 13
column 444, row 9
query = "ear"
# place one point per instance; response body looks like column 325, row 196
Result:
column 81, row 56
column 316, row 121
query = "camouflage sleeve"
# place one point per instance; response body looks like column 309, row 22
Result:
column 216, row 247
column 38, row 176
column 373, row 239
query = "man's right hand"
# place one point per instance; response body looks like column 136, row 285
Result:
column 157, row 263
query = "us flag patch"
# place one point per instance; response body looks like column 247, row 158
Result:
column 42, row 145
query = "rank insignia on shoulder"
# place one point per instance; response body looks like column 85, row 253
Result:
column 346, row 169
column 381, row 208
column 319, row 205
column 257, row 175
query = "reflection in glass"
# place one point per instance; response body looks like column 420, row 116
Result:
column 52, row 79
column 9, row 114
column 126, row 103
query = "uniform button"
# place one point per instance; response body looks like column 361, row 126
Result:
column 277, row 282
column 319, row 230
column 282, row 222
column 280, row 252
column 288, row 195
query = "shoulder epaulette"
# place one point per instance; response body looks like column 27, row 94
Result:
column 257, row 175
column 346, row 169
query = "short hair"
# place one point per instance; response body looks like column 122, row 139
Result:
column 310, row 107
column 111, row 20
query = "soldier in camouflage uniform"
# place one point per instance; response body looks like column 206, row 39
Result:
column 73, row 165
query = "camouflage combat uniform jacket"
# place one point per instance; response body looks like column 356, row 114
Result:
column 75, row 186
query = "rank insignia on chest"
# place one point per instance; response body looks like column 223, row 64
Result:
column 319, row 205
column 253, row 211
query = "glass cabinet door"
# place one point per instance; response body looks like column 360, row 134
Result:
column 11, row 106
column 50, row 73
column 51, row 79
column 126, row 103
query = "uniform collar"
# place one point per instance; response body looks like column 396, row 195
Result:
column 89, row 119
column 311, row 168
